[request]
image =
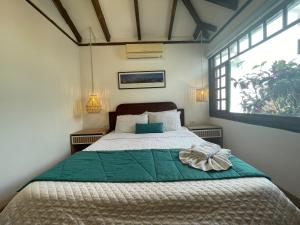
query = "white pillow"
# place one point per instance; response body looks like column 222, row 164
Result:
column 170, row 119
column 126, row 123
column 172, row 110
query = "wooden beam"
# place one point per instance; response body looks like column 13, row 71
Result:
column 172, row 19
column 143, row 42
column 193, row 13
column 197, row 34
column 137, row 19
column 67, row 18
column 200, row 24
column 238, row 12
column 51, row 21
column 101, row 19
column 230, row 4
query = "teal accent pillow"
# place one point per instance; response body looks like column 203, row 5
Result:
column 144, row 128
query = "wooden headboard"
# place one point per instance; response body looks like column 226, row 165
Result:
column 139, row 108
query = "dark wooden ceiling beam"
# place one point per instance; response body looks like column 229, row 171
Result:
column 193, row 13
column 174, row 6
column 201, row 26
column 65, row 15
column 137, row 19
column 198, row 32
column 101, row 19
column 230, row 4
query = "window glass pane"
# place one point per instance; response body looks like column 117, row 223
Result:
column 244, row 43
column 224, row 55
column 217, row 60
column 274, row 24
column 223, row 81
column 233, row 49
column 293, row 12
column 218, row 94
column 217, row 72
column 218, row 83
column 218, row 105
column 266, row 78
column 257, row 35
column 223, row 70
column 223, row 105
column 223, row 93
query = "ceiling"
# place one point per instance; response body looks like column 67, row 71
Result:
column 154, row 16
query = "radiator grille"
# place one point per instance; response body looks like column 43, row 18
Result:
column 85, row 139
column 211, row 133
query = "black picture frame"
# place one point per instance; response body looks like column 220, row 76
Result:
column 142, row 79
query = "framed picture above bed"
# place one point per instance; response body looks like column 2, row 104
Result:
column 142, row 79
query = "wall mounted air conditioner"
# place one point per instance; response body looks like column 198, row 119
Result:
column 142, row 51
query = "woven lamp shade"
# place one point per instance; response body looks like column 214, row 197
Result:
column 201, row 95
column 93, row 104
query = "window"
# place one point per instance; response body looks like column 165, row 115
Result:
column 220, row 86
column 274, row 24
column 262, row 80
column 244, row 43
column 257, row 76
column 217, row 60
column 224, row 55
column 257, row 35
column 293, row 12
column 233, row 51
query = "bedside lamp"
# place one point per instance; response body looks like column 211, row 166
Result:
column 201, row 95
column 93, row 104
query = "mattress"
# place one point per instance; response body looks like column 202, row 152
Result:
column 231, row 201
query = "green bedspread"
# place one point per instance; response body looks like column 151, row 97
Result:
column 138, row 166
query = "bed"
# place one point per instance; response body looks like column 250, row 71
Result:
column 251, row 200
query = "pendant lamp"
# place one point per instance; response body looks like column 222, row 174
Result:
column 201, row 93
column 93, row 104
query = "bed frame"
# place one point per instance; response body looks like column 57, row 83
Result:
column 139, row 108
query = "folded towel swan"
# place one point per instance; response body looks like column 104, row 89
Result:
column 206, row 157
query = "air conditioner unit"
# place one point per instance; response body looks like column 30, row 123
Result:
column 142, row 51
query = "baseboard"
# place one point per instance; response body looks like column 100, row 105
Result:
column 292, row 197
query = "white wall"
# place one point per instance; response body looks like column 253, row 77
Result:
column 39, row 86
column 183, row 73
column 274, row 151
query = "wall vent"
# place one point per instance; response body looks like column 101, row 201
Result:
column 85, row 139
column 210, row 133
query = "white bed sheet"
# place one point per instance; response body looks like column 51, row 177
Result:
column 182, row 138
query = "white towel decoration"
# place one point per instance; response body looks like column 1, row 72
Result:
column 206, row 157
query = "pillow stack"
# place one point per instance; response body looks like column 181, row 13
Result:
column 149, row 122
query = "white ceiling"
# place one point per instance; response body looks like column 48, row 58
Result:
column 120, row 18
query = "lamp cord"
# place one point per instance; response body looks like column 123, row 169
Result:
column 201, row 43
column 91, row 55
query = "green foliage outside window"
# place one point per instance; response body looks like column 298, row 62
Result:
column 271, row 91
